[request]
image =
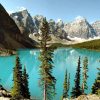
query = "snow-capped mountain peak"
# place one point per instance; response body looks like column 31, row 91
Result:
column 79, row 19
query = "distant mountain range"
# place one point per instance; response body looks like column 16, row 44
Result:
column 79, row 28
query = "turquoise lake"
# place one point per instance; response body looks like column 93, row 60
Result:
column 64, row 58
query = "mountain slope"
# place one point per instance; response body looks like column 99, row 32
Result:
column 80, row 28
column 10, row 35
column 96, row 26
column 24, row 21
column 92, row 45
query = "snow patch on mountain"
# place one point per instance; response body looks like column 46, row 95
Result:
column 59, row 20
column 79, row 18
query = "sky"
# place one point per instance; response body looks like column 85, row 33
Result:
column 66, row 10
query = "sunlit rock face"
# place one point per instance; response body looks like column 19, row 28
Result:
column 38, row 19
column 57, row 28
column 96, row 26
column 24, row 21
column 80, row 28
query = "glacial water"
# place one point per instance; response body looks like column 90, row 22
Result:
column 64, row 58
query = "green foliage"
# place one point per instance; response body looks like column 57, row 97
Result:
column 92, row 45
column 85, row 76
column 96, row 85
column 47, row 80
column 20, row 88
column 76, row 90
column 26, row 93
column 17, row 78
column 66, row 85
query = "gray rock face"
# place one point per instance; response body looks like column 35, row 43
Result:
column 96, row 26
column 24, row 21
column 80, row 28
column 28, row 25
column 56, row 28
column 37, row 22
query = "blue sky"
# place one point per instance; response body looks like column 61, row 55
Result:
column 66, row 10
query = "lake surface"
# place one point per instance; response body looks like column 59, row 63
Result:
column 64, row 58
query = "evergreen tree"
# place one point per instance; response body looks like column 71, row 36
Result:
column 76, row 90
column 85, row 76
column 17, row 90
column 26, row 93
column 66, row 85
column 96, row 85
column 68, row 82
column 47, row 80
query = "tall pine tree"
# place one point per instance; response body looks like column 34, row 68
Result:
column 66, row 85
column 85, row 76
column 68, row 82
column 47, row 80
column 96, row 85
column 26, row 93
column 76, row 90
column 17, row 90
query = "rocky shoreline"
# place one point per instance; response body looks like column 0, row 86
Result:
column 5, row 52
column 86, row 97
column 82, row 97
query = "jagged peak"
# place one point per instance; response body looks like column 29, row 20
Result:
column 51, row 20
column 59, row 20
column 20, row 11
column 96, row 22
column 38, row 17
column 79, row 19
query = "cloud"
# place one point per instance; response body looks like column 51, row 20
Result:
column 21, row 8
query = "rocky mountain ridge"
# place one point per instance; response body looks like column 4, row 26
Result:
column 96, row 26
column 79, row 28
